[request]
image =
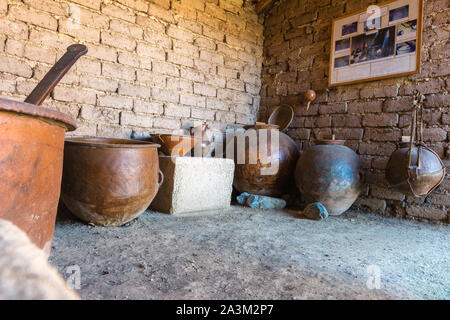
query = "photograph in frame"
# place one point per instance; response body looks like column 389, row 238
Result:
column 399, row 13
column 384, row 43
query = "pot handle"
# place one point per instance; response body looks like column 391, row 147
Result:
column 160, row 178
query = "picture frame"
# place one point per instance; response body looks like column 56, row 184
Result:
column 380, row 42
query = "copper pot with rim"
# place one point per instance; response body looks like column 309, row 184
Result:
column 109, row 182
column 31, row 156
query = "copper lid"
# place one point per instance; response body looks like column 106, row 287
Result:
column 38, row 112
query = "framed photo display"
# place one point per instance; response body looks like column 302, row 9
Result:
column 382, row 41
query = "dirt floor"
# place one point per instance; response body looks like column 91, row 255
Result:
column 243, row 253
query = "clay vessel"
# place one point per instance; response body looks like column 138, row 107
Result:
column 270, row 175
column 109, row 182
column 411, row 178
column 329, row 173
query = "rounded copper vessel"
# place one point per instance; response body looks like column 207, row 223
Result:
column 109, row 182
column 31, row 158
column 329, row 173
column 411, row 178
column 270, row 175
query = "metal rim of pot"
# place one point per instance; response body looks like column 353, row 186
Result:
column 42, row 113
column 100, row 142
column 277, row 111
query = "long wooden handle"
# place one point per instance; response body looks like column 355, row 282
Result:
column 56, row 73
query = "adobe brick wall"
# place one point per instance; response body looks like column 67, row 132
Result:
column 372, row 116
column 152, row 65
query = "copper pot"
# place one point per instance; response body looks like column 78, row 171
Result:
column 109, row 182
column 329, row 173
column 31, row 155
column 255, row 176
column 416, row 175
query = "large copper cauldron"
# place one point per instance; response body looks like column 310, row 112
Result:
column 31, row 154
column 109, row 182
column 249, row 176
column 329, row 173
column 31, row 158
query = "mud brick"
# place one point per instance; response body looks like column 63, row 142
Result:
column 365, row 107
column 398, row 105
column 101, row 84
column 15, row 66
column 152, row 24
column 166, row 68
column 114, row 101
column 380, row 120
column 115, row 11
column 37, row 18
column 346, row 120
column 426, row 87
column 160, row 12
column 382, row 134
column 333, row 108
column 176, row 110
column 377, row 148
column 139, row 5
column 165, row 95
column 99, row 114
column 165, row 123
column 112, row 131
column 205, row 90
column 141, row 106
column 126, row 89
column 93, row 4
column 126, row 28
column 348, row 133
column 427, row 212
column 434, row 134
column 102, row 52
column 131, row 119
column 74, row 95
column 150, row 51
column 114, row 70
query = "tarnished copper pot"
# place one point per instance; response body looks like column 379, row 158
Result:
column 329, row 173
column 31, row 158
column 415, row 178
column 270, row 175
column 109, row 182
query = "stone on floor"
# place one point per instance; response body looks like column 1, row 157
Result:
column 194, row 184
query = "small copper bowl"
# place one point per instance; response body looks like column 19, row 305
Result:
column 175, row 145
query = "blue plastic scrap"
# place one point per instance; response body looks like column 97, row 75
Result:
column 261, row 202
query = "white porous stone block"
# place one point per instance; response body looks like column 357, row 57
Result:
column 194, row 184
